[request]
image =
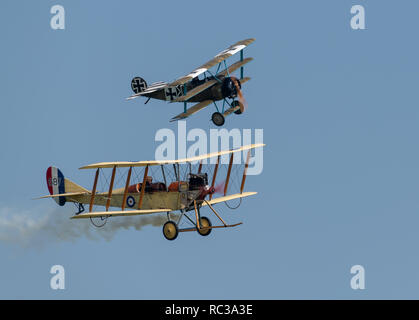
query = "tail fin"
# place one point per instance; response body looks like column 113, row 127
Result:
column 57, row 184
column 138, row 85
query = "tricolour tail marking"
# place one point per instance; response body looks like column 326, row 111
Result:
column 55, row 183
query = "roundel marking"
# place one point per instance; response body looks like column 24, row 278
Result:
column 130, row 201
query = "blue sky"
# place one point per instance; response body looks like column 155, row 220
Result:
column 339, row 112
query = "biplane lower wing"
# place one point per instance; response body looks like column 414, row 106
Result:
column 192, row 110
column 229, row 197
column 118, row 213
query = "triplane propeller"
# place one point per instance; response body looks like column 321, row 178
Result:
column 160, row 186
column 214, row 86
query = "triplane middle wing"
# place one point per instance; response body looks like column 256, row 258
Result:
column 148, row 187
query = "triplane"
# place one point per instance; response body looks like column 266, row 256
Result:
column 161, row 187
column 214, row 86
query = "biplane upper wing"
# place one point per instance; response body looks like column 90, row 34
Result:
column 237, row 47
column 152, row 88
column 118, row 213
column 127, row 164
column 229, row 197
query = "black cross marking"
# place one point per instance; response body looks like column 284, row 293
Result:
column 138, row 85
column 171, row 93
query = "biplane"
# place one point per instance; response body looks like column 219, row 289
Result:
column 150, row 187
column 212, row 87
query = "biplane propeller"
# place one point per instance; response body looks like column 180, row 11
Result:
column 186, row 193
column 214, row 86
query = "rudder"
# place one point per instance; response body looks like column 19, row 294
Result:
column 56, row 184
column 138, row 85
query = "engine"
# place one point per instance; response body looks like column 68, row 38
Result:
column 197, row 181
column 228, row 89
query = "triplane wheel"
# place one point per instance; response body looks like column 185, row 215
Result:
column 170, row 230
column 218, row 119
column 204, row 223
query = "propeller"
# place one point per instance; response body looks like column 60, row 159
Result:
column 219, row 188
column 211, row 190
column 242, row 100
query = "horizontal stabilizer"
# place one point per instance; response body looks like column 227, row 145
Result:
column 152, row 88
column 64, row 195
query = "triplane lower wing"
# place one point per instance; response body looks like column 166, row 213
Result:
column 165, row 186
column 214, row 86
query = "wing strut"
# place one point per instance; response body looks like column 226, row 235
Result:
column 92, row 198
column 108, row 201
column 140, row 202
column 214, row 176
column 245, row 172
column 228, row 174
column 124, row 199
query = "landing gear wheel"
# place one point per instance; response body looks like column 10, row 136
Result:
column 236, row 104
column 170, row 230
column 99, row 222
column 218, row 119
column 203, row 223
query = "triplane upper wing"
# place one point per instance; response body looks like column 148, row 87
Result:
column 237, row 47
column 178, row 188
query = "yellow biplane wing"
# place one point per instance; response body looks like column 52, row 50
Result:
column 127, row 164
column 237, row 47
column 229, row 197
column 118, row 213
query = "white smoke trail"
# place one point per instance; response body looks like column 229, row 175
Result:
column 41, row 226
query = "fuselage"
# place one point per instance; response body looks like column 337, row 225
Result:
column 224, row 88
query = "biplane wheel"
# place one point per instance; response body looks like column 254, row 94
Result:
column 203, row 223
column 99, row 222
column 170, row 230
column 236, row 104
column 218, row 119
